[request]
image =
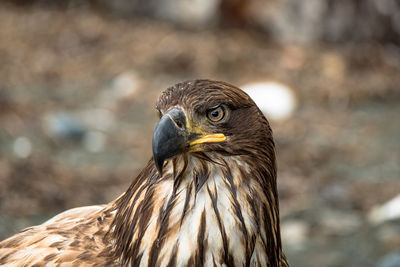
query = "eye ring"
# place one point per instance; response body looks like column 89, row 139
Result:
column 216, row 114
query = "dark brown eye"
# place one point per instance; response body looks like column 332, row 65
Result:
column 216, row 114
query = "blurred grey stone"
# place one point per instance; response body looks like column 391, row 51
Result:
column 79, row 126
column 64, row 125
column 390, row 260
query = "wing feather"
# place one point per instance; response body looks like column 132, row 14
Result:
column 75, row 236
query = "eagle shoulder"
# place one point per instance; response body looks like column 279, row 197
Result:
column 76, row 236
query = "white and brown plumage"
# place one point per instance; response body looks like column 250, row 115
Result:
column 208, row 196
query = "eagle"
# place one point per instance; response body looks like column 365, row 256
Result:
column 207, row 197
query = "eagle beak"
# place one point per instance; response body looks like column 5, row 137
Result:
column 172, row 137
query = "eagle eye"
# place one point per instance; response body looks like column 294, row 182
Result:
column 216, row 114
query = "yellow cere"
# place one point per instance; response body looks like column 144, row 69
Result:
column 209, row 138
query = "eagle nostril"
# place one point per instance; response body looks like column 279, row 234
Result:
column 179, row 124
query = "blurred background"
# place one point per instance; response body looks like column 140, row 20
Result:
column 79, row 80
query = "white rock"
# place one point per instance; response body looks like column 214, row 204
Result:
column 275, row 100
column 22, row 147
column 386, row 212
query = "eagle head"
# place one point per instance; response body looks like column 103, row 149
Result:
column 203, row 116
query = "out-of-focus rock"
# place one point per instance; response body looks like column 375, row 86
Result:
column 22, row 147
column 390, row 260
column 63, row 125
column 88, row 127
column 385, row 212
column 275, row 100
column 294, row 233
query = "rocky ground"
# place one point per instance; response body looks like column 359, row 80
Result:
column 77, row 95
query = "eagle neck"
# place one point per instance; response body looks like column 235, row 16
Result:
column 200, row 212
